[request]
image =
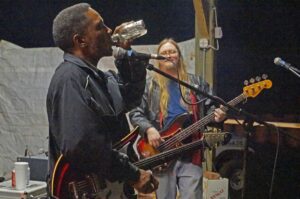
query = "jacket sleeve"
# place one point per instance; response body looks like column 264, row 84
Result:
column 208, row 106
column 140, row 115
column 132, row 79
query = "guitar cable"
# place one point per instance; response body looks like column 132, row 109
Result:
column 275, row 159
column 274, row 164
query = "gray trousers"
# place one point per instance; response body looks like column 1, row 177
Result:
column 182, row 176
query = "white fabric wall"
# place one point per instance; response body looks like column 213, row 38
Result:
column 24, row 78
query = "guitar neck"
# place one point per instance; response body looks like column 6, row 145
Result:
column 235, row 101
column 149, row 163
column 194, row 128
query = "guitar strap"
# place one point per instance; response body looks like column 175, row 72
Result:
column 161, row 118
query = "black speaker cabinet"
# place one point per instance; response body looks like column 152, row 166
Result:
column 38, row 166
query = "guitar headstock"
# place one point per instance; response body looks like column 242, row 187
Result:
column 256, row 85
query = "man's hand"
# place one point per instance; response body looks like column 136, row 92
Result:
column 147, row 183
column 153, row 137
column 220, row 115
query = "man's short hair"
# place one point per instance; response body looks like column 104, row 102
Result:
column 70, row 21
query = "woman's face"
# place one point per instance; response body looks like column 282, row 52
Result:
column 169, row 51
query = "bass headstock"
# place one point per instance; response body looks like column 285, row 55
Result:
column 254, row 86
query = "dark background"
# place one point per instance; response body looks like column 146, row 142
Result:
column 28, row 23
column 255, row 32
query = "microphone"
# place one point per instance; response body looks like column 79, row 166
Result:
column 279, row 62
column 120, row 53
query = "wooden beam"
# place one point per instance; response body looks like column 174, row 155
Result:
column 204, row 23
column 201, row 19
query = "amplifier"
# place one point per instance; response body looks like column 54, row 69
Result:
column 38, row 166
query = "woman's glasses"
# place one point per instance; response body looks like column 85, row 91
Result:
column 168, row 52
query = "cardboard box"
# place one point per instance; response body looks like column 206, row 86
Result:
column 215, row 189
column 34, row 190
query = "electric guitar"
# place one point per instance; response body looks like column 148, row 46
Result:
column 67, row 183
column 173, row 134
column 127, row 139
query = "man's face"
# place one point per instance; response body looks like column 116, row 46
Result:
column 97, row 37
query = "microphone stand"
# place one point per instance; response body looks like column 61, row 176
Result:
column 250, row 118
column 249, row 128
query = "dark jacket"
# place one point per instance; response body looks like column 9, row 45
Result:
column 86, row 111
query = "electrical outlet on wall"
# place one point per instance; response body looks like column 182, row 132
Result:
column 218, row 33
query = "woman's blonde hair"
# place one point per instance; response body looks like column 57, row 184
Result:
column 163, row 81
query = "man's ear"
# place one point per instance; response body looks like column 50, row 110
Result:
column 79, row 41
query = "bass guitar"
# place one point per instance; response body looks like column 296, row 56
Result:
column 68, row 183
column 173, row 134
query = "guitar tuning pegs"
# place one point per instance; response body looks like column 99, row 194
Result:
column 252, row 80
column 264, row 76
column 257, row 78
column 246, row 82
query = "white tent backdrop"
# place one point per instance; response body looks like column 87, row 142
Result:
column 25, row 74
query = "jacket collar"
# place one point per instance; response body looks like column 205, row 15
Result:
column 83, row 64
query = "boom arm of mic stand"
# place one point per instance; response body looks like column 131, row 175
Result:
column 294, row 70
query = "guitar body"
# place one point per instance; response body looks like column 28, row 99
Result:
column 146, row 150
column 68, row 183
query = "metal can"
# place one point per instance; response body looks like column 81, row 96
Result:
column 13, row 178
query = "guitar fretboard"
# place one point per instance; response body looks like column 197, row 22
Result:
column 194, row 128
column 166, row 155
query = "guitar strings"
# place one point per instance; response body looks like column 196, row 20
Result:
column 171, row 152
column 169, row 143
column 210, row 117
column 191, row 129
column 162, row 155
column 194, row 128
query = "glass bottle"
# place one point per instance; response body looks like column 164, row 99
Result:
column 130, row 31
